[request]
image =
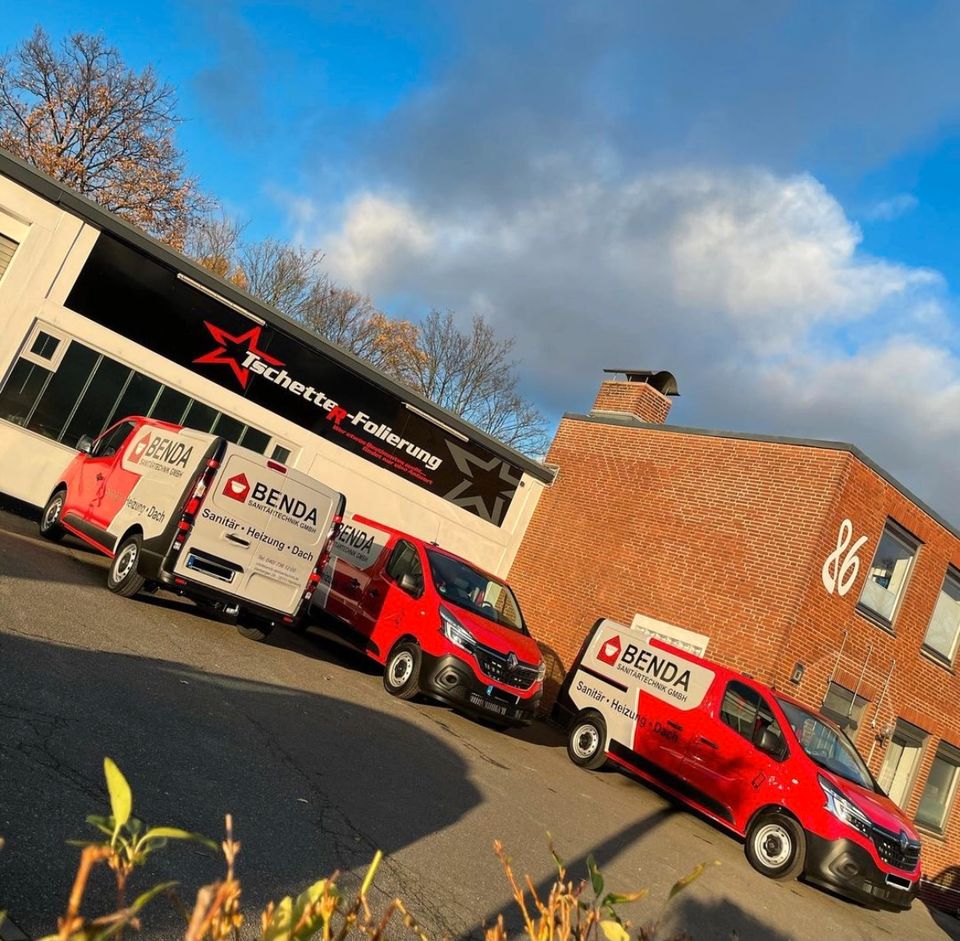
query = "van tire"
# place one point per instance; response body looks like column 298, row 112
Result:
column 123, row 578
column 401, row 672
column 253, row 628
column 776, row 846
column 586, row 741
column 50, row 527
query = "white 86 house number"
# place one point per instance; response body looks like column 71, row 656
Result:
column 841, row 566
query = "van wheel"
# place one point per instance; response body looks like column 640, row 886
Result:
column 776, row 846
column 401, row 673
column 50, row 527
column 587, row 740
column 123, row 578
column 253, row 628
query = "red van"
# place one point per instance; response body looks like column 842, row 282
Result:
column 240, row 534
column 752, row 759
column 439, row 624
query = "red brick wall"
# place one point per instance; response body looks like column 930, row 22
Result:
column 728, row 537
column 634, row 398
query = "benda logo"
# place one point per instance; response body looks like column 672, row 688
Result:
column 610, row 651
column 237, row 488
column 139, row 448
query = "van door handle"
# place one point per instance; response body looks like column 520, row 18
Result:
column 708, row 743
column 238, row 540
column 675, row 725
column 100, row 477
column 374, row 592
column 354, row 583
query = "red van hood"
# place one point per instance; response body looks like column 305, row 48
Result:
column 878, row 807
column 502, row 639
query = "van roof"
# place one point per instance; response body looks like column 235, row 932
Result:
column 423, row 542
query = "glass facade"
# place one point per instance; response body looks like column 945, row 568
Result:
column 87, row 392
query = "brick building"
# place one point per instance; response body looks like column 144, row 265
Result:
column 802, row 562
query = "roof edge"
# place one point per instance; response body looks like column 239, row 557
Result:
column 624, row 420
column 73, row 202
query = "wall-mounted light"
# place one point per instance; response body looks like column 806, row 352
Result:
column 435, row 421
column 797, row 674
column 203, row 289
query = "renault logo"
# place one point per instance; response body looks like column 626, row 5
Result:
column 904, row 842
column 512, row 660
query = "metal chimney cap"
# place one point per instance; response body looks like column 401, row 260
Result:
column 663, row 381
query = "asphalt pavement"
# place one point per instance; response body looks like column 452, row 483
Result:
column 320, row 768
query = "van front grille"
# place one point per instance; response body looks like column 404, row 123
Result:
column 497, row 666
column 895, row 849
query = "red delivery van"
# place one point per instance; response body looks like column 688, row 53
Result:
column 754, row 760
column 439, row 625
column 209, row 519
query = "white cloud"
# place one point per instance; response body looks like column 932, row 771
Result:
column 751, row 287
column 893, row 208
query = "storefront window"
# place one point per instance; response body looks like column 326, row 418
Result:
column 944, row 629
column 888, row 573
column 940, row 788
column 88, row 392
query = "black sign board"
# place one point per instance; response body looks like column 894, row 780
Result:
column 145, row 301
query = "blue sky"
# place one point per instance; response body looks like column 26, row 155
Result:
column 761, row 197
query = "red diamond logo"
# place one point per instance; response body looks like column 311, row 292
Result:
column 609, row 651
column 237, row 488
column 139, row 448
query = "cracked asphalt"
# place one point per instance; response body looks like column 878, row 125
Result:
column 320, row 768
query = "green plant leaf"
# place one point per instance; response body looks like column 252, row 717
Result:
column 622, row 898
column 371, row 872
column 175, row 833
column 596, row 877
column 556, row 856
column 150, row 894
column 684, row 881
column 281, row 922
column 103, row 824
column 121, row 798
column 614, row 931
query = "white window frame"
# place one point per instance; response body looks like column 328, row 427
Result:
column 908, row 541
column 949, row 755
column 951, row 575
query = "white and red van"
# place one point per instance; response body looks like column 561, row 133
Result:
column 193, row 512
column 439, row 624
column 752, row 759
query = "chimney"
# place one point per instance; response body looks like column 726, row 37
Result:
column 642, row 394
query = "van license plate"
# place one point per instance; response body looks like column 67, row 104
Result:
column 478, row 700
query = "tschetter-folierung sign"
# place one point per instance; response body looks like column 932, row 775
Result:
column 144, row 301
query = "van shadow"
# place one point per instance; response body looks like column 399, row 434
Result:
column 314, row 783
column 721, row 920
column 576, row 869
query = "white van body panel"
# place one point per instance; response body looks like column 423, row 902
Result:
column 260, row 532
column 619, row 664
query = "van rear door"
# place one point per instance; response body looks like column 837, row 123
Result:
column 260, row 532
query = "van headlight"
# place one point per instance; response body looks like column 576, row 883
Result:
column 844, row 809
column 455, row 632
column 541, row 671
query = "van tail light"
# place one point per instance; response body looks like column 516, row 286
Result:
column 316, row 576
column 192, row 507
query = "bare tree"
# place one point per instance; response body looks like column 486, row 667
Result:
column 213, row 240
column 283, row 275
column 471, row 372
column 83, row 116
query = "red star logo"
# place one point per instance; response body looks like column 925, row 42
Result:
column 247, row 341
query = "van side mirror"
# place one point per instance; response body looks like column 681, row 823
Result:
column 411, row 584
column 770, row 742
column 85, row 444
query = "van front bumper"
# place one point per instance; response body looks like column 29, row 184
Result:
column 850, row 870
column 451, row 680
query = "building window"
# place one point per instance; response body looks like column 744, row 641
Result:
column 8, row 248
column 944, row 629
column 87, row 392
column 939, row 791
column 281, row 454
column 843, row 706
column 887, row 578
column 902, row 761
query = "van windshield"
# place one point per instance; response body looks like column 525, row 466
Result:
column 463, row 585
column 827, row 745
